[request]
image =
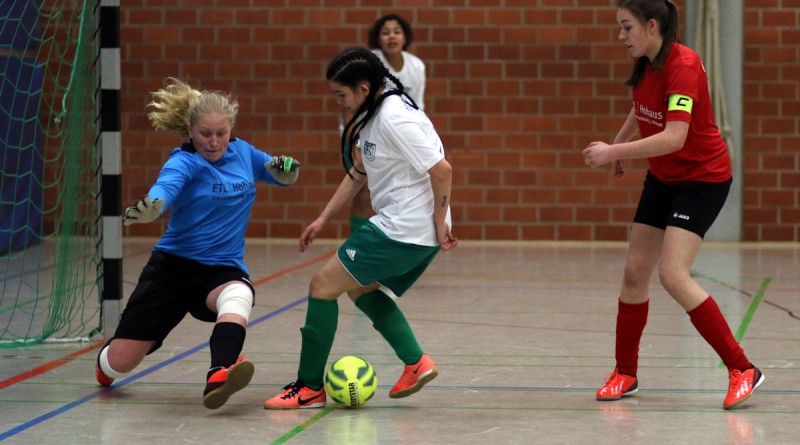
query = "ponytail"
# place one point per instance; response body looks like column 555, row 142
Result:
column 666, row 14
column 178, row 104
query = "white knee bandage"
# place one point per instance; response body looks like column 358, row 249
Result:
column 236, row 299
column 106, row 367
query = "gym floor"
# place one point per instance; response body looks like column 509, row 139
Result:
column 522, row 334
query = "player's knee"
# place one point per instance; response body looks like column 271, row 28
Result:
column 635, row 278
column 675, row 281
column 358, row 292
column 236, row 298
column 355, row 294
column 116, row 371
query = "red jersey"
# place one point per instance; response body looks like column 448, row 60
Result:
column 704, row 155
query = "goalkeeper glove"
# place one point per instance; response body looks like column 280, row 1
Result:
column 284, row 169
column 144, row 211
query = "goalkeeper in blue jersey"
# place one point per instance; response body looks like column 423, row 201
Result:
column 197, row 267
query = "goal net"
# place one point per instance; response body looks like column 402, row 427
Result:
column 50, row 224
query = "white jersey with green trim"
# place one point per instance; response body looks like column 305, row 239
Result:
column 398, row 146
column 412, row 75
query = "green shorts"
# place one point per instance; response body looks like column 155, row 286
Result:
column 370, row 256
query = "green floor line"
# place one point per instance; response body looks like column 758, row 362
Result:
column 748, row 316
column 752, row 309
column 302, row 427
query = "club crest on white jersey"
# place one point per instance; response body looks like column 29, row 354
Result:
column 369, row 150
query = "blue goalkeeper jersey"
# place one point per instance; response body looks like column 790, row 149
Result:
column 210, row 202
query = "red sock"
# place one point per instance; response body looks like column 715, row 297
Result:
column 709, row 322
column 631, row 319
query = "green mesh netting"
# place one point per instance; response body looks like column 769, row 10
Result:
column 50, row 252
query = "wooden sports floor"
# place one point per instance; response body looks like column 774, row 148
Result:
column 522, row 334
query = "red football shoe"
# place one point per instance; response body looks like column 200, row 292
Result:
column 741, row 386
column 618, row 386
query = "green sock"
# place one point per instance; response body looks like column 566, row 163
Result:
column 357, row 221
column 322, row 318
column 392, row 324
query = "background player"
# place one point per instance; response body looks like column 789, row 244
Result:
column 389, row 38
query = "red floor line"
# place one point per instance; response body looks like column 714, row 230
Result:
column 292, row 269
column 46, row 367
column 63, row 361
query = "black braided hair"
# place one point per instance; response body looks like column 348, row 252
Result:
column 349, row 68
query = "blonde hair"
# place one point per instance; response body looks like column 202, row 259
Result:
column 178, row 104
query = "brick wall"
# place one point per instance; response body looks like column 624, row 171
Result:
column 771, row 131
column 516, row 92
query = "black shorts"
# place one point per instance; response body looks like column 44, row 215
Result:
column 169, row 288
column 692, row 205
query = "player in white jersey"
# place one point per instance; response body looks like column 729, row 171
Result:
column 389, row 38
column 397, row 148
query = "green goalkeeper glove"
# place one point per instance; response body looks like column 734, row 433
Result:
column 144, row 211
column 284, row 169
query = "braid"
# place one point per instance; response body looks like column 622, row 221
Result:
column 401, row 89
column 356, row 65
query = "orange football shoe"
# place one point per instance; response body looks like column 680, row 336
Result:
column 741, row 386
column 295, row 395
column 414, row 377
column 226, row 381
column 618, row 386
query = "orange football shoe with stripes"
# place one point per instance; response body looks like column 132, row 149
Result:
column 741, row 386
column 618, row 386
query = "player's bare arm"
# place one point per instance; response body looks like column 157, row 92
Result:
column 441, row 179
column 668, row 141
column 344, row 194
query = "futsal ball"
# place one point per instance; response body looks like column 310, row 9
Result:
column 351, row 381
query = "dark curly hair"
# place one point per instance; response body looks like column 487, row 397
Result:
column 373, row 38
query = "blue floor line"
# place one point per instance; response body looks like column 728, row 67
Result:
column 33, row 422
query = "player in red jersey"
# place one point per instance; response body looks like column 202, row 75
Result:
column 685, row 188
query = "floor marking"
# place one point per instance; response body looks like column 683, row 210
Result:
column 302, row 427
column 46, row 367
column 56, row 363
column 751, row 310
